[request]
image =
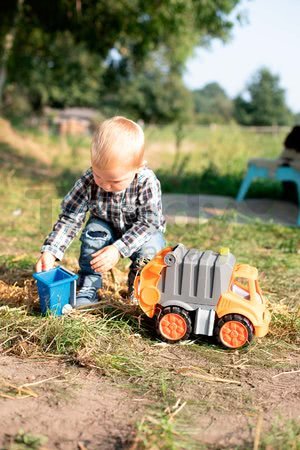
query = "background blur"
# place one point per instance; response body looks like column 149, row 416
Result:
column 131, row 58
column 67, row 64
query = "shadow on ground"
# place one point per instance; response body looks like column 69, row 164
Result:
column 205, row 185
column 22, row 166
column 212, row 182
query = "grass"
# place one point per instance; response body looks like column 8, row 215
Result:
column 160, row 431
column 26, row 441
column 81, row 339
column 115, row 340
column 211, row 160
column 283, row 435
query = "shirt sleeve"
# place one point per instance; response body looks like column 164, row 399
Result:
column 148, row 220
column 73, row 212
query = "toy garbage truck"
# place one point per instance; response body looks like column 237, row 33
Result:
column 202, row 292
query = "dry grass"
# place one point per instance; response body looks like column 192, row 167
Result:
column 25, row 333
column 14, row 295
column 24, row 143
column 285, row 324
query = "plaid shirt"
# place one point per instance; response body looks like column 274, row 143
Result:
column 134, row 213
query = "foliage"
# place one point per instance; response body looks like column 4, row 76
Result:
column 266, row 104
column 297, row 118
column 132, row 27
column 54, row 71
column 152, row 92
column 212, row 104
column 72, row 53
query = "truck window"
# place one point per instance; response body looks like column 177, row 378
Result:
column 240, row 286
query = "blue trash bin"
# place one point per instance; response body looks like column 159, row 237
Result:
column 56, row 288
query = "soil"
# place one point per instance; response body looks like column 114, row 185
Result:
column 224, row 415
column 75, row 408
column 234, row 410
column 79, row 409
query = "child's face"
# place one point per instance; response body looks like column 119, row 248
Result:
column 113, row 180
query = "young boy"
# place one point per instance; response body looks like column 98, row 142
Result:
column 124, row 200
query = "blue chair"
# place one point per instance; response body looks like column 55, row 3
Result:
column 281, row 173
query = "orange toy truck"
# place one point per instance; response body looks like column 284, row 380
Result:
column 204, row 293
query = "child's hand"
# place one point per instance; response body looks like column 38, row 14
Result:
column 104, row 259
column 45, row 262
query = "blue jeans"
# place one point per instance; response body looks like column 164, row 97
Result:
column 98, row 234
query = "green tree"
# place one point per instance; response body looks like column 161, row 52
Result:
column 153, row 93
column 297, row 118
column 212, row 104
column 132, row 26
column 65, row 74
column 134, row 29
column 266, row 104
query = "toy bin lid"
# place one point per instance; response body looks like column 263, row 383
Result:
column 55, row 277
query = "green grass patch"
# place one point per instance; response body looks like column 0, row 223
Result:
column 26, row 441
column 109, row 342
column 163, row 431
column 282, row 436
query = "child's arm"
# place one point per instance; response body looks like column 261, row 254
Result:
column 150, row 218
column 73, row 211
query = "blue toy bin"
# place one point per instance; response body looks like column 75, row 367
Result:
column 56, row 288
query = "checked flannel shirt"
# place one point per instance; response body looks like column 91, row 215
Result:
column 134, row 213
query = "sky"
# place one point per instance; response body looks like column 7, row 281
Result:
column 270, row 37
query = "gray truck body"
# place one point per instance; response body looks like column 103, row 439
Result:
column 194, row 280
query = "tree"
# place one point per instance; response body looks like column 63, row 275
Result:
column 134, row 29
column 131, row 26
column 266, row 104
column 152, row 93
column 212, row 104
column 65, row 74
column 10, row 24
column 297, row 118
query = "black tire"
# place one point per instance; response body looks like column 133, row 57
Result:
column 161, row 319
column 235, row 318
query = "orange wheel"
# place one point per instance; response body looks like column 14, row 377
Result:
column 174, row 324
column 234, row 334
column 234, row 331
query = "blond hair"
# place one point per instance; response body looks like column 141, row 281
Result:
column 117, row 141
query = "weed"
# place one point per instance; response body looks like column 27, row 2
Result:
column 282, row 436
column 162, row 431
column 24, row 441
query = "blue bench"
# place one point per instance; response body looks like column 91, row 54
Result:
column 281, row 173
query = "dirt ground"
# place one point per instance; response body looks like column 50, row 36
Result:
column 79, row 409
column 74, row 408
column 262, row 394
